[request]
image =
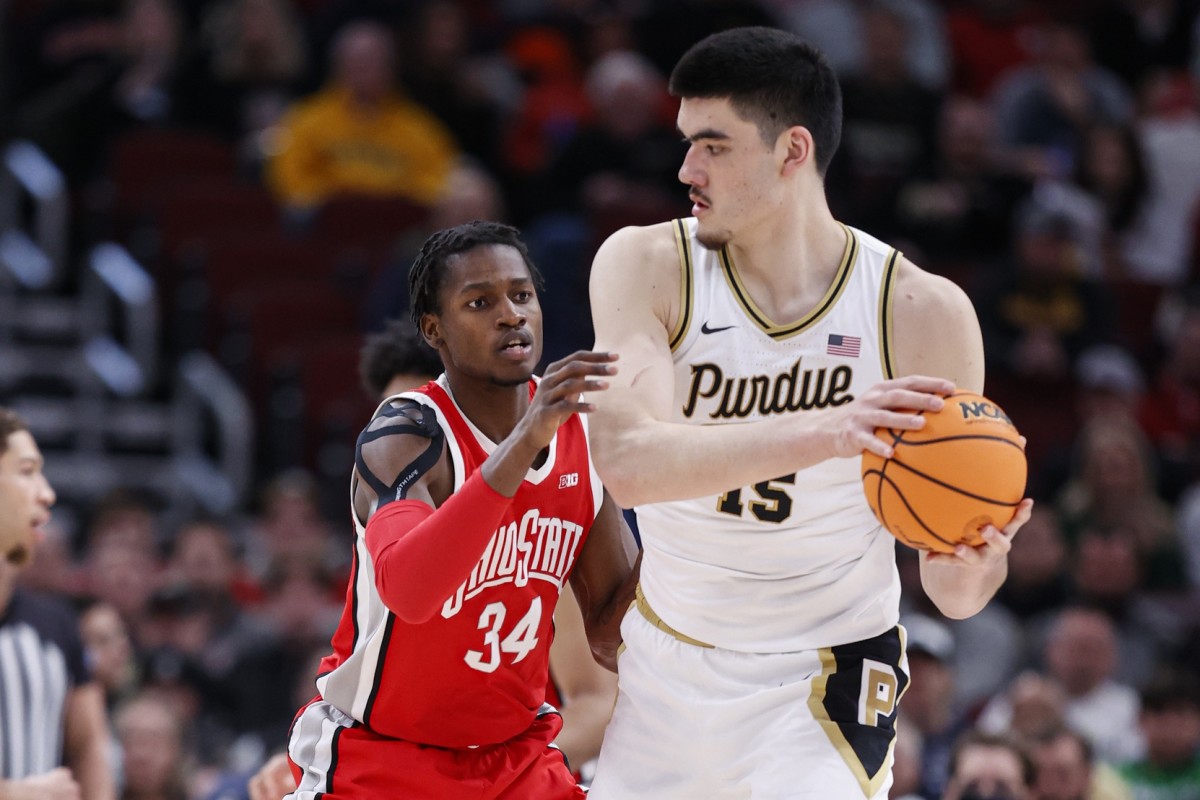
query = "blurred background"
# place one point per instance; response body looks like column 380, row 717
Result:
column 205, row 205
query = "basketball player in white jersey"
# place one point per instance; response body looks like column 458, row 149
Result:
column 761, row 343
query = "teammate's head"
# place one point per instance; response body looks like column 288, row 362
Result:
column 25, row 494
column 772, row 78
column 396, row 359
column 474, row 298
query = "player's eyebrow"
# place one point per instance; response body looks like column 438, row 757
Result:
column 483, row 286
column 705, row 134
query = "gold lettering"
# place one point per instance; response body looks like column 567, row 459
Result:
column 878, row 693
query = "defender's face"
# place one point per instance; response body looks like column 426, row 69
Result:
column 25, row 497
column 490, row 325
column 732, row 174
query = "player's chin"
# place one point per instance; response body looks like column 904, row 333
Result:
column 20, row 552
column 513, row 377
column 712, row 239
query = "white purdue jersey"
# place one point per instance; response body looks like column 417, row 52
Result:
column 798, row 562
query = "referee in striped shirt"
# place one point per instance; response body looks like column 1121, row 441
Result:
column 53, row 733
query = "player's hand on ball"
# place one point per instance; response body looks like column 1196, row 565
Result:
column 893, row 404
column 996, row 542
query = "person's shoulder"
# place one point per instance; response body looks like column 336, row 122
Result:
column 641, row 247
column 49, row 614
column 924, row 293
column 49, row 605
column 318, row 104
column 405, row 413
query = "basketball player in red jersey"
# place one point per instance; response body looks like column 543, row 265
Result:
column 474, row 500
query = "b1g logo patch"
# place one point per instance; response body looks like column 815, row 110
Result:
column 568, row 480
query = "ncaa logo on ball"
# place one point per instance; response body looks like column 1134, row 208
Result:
column 981, row 411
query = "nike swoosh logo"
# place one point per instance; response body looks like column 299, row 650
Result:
column 705, row 329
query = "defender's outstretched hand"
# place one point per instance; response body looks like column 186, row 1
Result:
column 560, row 392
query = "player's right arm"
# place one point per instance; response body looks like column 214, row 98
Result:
column 402, row 493
column 425, row 538
column 642, row 456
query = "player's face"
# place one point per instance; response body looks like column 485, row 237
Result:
column 491, row 322
column 25, row 497
column 732, row 174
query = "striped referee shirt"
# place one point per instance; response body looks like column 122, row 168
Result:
column 41, row 661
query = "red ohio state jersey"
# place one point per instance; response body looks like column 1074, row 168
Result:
column 476, row 672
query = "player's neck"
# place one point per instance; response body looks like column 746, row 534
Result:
column 493, row 409
column 8, row 585
column 789, row 261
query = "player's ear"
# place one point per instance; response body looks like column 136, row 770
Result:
column 431, row 330
column 797, row 145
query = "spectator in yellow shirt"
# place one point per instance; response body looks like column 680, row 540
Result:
column 358, row 135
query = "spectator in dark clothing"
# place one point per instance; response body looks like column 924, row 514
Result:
column 959, row 213
column 1045, row 109
column 128, row 79
column 624, row 162
column 1135, row 37
column 890, row 128
column 1043, row 312
column 441, row 74
column 247, row 72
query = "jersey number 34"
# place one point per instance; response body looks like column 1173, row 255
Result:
column 517, row 642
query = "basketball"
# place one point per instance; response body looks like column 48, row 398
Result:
column 964, row 470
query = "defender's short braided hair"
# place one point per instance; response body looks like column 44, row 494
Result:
column 428, row 271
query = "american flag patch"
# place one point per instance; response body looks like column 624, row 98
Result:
column 840, row 345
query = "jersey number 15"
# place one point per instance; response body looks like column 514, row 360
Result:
column 773, row 505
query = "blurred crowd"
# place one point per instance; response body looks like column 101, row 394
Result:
column 1043, row 155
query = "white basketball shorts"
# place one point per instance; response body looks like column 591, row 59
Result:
column 695, row 721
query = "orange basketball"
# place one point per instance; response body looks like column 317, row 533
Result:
column 965, row 469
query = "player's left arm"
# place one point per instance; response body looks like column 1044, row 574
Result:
column 86, row 742
column 936, row 332
column 604, row 581
column 589, row 691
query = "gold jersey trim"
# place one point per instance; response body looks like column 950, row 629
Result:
column 643, row 606
column 887, row 351
column 776, row 331
column 686, row 279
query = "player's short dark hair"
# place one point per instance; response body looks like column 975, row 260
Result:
column 429, row 269
column 772, row 78
column 395, row 350
column 10, row 423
